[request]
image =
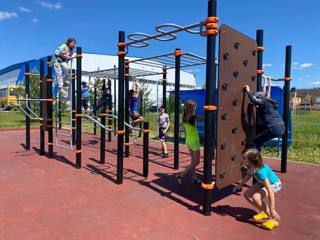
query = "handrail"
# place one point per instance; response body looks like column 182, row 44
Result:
column 97, row 122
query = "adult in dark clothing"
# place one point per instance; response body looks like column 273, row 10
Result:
column 269, row 121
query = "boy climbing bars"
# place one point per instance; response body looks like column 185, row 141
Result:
column 133, row 104
column 62, row 56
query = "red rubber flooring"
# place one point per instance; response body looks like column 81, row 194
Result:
column 46, row 199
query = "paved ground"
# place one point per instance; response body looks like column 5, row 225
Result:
column 46, row 199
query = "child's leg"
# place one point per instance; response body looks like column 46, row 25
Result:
column 195, row 160
column 251, row 191
column 65, row 68
column 58, row 70
column 164, row 146
column 138, row 120
column 261, row 138
column 259, row 198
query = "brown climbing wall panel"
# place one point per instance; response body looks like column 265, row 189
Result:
column 237, row 67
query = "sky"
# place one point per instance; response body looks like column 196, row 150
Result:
column 31, row 29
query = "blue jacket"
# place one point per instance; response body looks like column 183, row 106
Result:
column 84, row 92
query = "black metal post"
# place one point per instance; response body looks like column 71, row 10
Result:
column 126, row 94
column 259, row 39
column 50, row 109
column 73, row 104
column 177, row 54
column 27, row 86
column 110, row 111
column 164, row 87
column 209, row 114
column 42, row 133
column 94, row 107
column 78, row 113
column 115, row 100
column 103, row 138
column 120, row 132
column 284, row 151
column 146, row 149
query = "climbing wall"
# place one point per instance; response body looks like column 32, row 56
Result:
column 235, row 126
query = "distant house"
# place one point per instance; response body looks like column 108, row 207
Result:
column 308, row 97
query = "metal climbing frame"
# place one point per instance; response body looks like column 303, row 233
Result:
column 159, row 61
column 59, row 130
column 209, row 29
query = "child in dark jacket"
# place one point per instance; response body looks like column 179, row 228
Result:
column 269, row 121
column 104, row 100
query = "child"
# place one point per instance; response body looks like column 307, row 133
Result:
column 133, row 105
column 84, row 96
column 104, row 100
column 192, row 142
column 62, row 56
column 266, row 186
column 269, row 121
column 164, row 124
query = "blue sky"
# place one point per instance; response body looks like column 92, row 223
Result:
column 32, row 29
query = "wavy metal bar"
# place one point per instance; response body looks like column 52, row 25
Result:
column 140, row 40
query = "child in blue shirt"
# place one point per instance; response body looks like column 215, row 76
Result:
column 266, row 186
column 84, row 96
column 133, row 105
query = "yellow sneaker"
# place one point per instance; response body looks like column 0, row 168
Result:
column 260, row 216
column 270, row 224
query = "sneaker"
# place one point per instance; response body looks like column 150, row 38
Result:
column 270, row 224
column 178, row 179
column 259, row 216
column 164, row 155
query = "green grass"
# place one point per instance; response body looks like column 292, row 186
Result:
column 306, row 132
column 14, row 120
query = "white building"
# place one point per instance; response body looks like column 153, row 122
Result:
column 93, row 62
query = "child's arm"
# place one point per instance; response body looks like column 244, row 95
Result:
column 272, row 200
column 167, row 127
column 246, row 178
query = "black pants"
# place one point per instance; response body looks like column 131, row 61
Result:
column 103, row 103
column 266, row 134
column 84, row 103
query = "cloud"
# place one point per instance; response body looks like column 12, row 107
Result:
column 306, row 65
column 35, row 20
column 295, row 63
column 24, row 9
column 51, row 6
column 315, row 83
column 265, row 65
column 7, row 15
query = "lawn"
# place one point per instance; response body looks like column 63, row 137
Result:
column 306, row 133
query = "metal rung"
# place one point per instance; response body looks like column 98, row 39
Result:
column 65, row 147
column 61, row 134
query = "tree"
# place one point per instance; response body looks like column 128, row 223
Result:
column 145, row 93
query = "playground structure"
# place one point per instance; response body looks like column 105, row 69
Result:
column 239, row 63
